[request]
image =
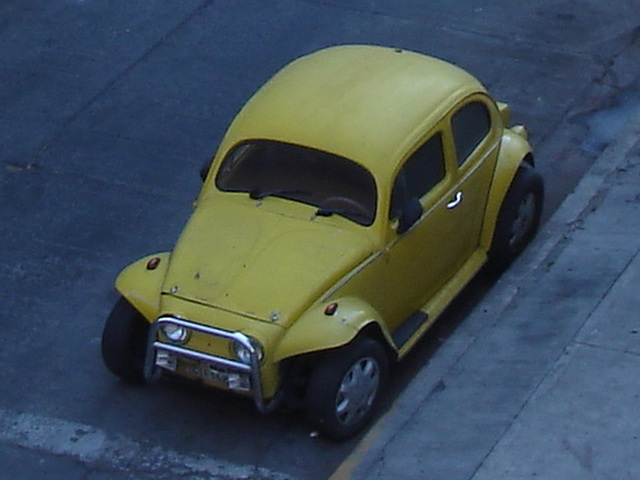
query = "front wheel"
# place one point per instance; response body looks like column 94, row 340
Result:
column 344, row 388
column 124, row 342
column 518, row 219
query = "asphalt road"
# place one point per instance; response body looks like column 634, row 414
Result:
column 108, row 109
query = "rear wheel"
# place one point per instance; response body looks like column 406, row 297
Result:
column 344, row 388
column 124, row 342
column 518, row 219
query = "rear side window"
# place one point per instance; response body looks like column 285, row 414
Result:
column 471, row 124
column 421, row 172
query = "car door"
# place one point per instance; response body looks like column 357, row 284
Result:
column 417, row 259
column 448, row 176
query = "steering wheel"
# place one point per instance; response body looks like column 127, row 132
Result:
column 346, row 204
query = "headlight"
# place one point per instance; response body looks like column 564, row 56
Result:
column 244, row 355
column 175, row 333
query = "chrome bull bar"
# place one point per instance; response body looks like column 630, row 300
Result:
column 252, row 369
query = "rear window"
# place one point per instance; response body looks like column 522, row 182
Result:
column 333, row 184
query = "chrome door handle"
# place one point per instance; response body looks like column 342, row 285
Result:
column 457, row 199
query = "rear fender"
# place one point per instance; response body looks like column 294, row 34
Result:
column 316, row 330
column 514, row 150
column 142, row 285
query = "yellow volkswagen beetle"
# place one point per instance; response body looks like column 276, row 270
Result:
column 351, row 199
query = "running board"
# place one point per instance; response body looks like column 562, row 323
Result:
column 408, row 327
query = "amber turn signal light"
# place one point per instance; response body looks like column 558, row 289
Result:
column 331, row 309
column 153, row 263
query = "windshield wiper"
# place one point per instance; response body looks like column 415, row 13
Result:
column 327, row 212
column 257, row 194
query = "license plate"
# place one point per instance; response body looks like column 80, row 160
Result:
column 220, row 375
column 204, row 371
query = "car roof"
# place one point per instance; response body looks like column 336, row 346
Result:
column 366, row 103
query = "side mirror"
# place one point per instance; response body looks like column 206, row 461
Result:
column 411, row 213
column 204, row 170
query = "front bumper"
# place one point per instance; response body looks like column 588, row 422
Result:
column 214, row 369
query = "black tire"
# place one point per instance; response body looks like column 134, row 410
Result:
column 331, row 408
column 124, row 342
column 518, row 219
column 204, row 170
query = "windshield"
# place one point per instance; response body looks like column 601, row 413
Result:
column 331, row 183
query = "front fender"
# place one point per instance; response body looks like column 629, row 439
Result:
column 315, row 331
column 141, row 286
column 514, row 149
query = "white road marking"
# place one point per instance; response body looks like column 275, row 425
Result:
column 95, row 447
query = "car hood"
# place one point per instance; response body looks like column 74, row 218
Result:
column 246, row 259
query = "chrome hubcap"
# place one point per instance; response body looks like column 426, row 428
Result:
column 524, row 220
column 357, row 391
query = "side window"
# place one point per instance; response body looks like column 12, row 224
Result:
column 420, row 173
column 470, row 125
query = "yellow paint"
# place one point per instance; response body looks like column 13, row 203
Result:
column 142, row 286
column 269, row 267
